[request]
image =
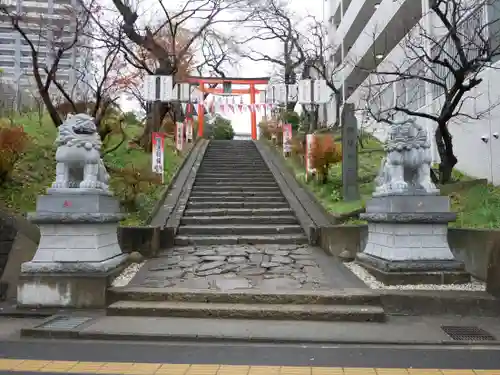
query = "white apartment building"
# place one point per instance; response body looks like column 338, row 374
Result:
column 369, row 33
column 15, row 53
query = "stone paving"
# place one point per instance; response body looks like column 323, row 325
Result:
column 235, row 267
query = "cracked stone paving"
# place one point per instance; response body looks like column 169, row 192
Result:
column 264, row 267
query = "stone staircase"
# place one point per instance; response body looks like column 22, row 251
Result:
column 235, row 200
column 240, row 253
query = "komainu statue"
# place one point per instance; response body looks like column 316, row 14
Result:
column 406, row 167
column 78, row 155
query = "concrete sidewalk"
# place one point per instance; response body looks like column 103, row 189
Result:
column 397, row 330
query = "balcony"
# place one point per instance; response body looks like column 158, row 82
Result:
column 388, row 26
column 354, row 21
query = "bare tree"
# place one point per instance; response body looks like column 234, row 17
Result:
column 319, row 52
column 197, row 17
column 103, row 82
column 448, row 59
column 219, row 54
column 273, row 21
column 52, row 32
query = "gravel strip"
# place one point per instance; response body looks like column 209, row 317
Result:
column 369, row 280
column 127, row 274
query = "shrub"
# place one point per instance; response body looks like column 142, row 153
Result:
column 13, row 141
column 264, row 130
column 130, row 182
column 324, row 153
column 222, row 129
column 292, row 118
column 298, row 145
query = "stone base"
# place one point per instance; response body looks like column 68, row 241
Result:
column 414, row 272
column 67, row 285
column 74, row 267
column 407, row 241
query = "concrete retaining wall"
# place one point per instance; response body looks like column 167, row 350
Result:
column 18, row 243
column 471, row 246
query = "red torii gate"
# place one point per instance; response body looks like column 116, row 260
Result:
column 202, row 81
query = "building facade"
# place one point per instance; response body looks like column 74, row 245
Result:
column 369, row 34
column 46, row 22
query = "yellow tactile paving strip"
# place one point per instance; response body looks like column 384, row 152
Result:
column 120, row 368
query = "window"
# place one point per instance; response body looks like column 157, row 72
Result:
column 446, row 49
column 36, row 43
column 415, row 95
column 7, row 52
column 493, row 10
column 41, row 55
column 7, row 41
column 387, row 97
column 62, row 77
column 375, row 106
column 37, row 10
column 6, row 29
column 7, row 63
column 400, row 94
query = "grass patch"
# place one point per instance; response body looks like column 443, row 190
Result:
column 36, row 169
column 477, row 206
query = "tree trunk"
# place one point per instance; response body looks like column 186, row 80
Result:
column 338, row 99
column 290, row 79
column 157, row 112
column 444, row 144
column 51, row 109
column 153, row 124
column 313, row 116
column 290, row 106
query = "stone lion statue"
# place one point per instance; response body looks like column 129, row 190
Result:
column 406, row 167
column 78, row 155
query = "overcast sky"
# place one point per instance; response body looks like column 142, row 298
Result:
column 246, row 68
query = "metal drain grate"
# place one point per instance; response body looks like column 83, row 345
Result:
column 65, row 322
column 467, row 333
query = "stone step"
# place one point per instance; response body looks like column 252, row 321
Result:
column 352, row 313
column 235, row 156
column 240, row 178
column 234, row 198
column 234, row 166
column 240, row 240
column 237, row 159
column 229, row 177
column 233, row 219
column 232, row 170
column 238, row 212
column 243, row 188
column 233, row 173
column 243, row 184
column 225, row 154
column 348, row 296
column 248, row 156
column 217, row 194
column 222, row 204
column 239, row 229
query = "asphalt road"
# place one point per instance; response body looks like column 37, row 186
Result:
column 454, row 357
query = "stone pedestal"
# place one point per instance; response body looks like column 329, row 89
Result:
column 407, row 241
column 78, row 253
